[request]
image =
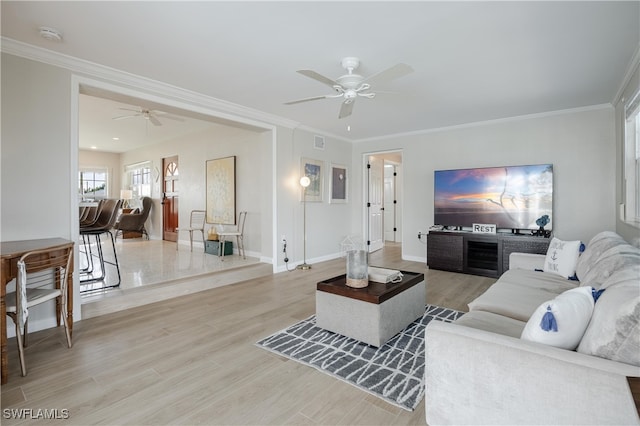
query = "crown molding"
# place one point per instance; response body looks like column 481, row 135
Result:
column 112, row 75
column 323, row 133
column 489, row 122
column 631, row 69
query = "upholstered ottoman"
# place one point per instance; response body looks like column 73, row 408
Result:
column 373, row 314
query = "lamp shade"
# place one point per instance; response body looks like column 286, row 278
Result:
column 305, row 181
column 126, row 194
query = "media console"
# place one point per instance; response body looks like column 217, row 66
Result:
column 479, row 254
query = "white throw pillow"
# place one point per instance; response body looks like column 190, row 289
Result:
column 561, row 322
column 562, row 257
column 614, row 330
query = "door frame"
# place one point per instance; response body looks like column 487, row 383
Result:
column 397, row 210
column 365, row 187
column 123, row 84
column 175, row 199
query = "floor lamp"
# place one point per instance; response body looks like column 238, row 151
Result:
column 304, row 181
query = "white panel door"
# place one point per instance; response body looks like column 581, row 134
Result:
column 376, row 206
column 389, row 202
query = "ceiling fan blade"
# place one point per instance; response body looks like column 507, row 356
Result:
column 346, row 108
column 315, row 98
column 122, row 117
column 171, row 117
column 154, row 120
column 131, row 109
column 318, row 77
column 396, row 71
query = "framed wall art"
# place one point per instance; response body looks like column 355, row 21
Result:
column 314, row 170
column 338, row 183
column 221, row 190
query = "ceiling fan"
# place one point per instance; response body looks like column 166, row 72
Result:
column 351, row 86
column 148, row 114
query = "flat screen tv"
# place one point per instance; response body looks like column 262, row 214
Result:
column 512, row 197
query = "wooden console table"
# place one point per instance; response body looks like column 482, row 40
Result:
column 479, row 254
column 10, row 253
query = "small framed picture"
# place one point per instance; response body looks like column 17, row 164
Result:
column 314, row 170
column 338, row 183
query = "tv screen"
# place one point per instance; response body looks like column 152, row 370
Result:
column 512, row 197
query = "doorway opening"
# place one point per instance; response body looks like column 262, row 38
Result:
column 383, row 198
column 171, row 176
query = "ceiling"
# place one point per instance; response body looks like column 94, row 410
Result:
column 472, row 61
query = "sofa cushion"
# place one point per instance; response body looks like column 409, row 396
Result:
column 614, row 330
column 562, row 257
column 561, row 322
column 600, row 243
column 615, row 259
column 494, row 323
column 626, row 276
column 519, row 292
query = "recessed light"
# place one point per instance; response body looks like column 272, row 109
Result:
column 50, row 33
column 94, row 147
column 348, row 128
column 116, row 138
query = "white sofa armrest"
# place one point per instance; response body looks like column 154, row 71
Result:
column 478, row 377
column 528, row 261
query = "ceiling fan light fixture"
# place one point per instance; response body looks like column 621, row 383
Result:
column 50, row 34
column 350, row 63
column 350, row 86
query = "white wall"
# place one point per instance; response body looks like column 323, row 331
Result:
column 193, row 151
column 327, row 223
column 579, row 144
column 36, row 162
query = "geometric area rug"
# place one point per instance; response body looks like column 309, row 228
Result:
column 393, row 372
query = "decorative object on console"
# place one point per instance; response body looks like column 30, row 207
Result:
column 510, row 197
column 542, row 222
column 562, row 257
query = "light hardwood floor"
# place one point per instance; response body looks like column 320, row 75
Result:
column 192, row 359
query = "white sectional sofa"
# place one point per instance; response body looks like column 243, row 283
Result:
column 478, row 369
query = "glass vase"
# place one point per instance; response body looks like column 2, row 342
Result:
column 357, row 269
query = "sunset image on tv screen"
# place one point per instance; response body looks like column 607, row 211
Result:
column 513, row 197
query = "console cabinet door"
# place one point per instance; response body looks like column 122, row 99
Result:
column 445, row 251
column 534, row 245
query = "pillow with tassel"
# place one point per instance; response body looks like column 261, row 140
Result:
column 561, row 322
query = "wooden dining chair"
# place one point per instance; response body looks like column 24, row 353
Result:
column 42, row 276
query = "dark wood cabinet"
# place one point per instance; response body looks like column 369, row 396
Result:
column 478, row 254
column 520, row 244
column 445, row 251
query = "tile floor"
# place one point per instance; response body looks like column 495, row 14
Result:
column 146, row 265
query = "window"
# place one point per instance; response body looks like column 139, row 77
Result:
column 632, row 161
column 139, row 179
column 92, row 184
